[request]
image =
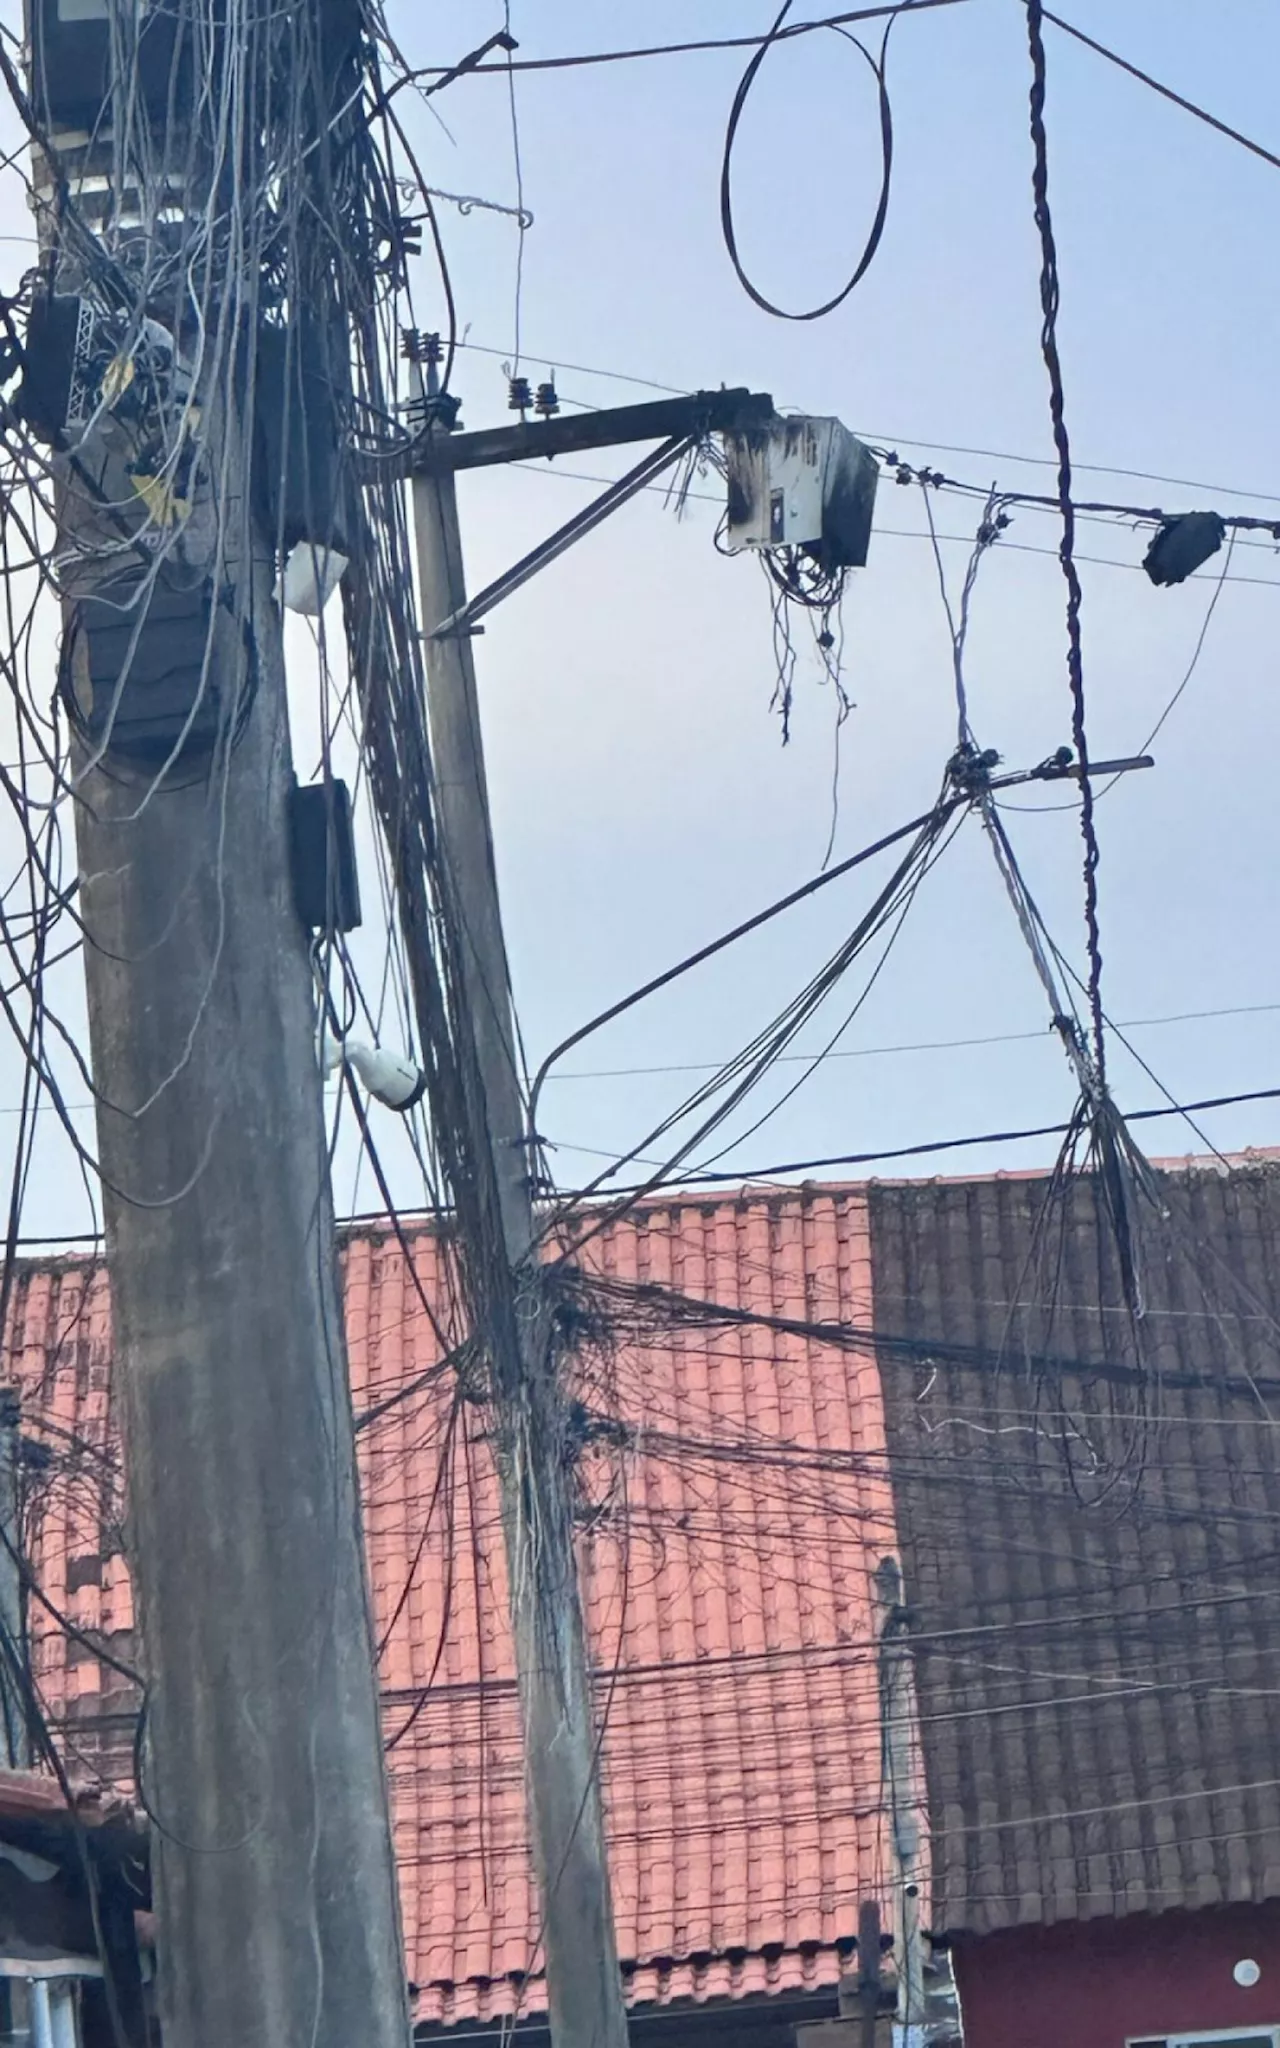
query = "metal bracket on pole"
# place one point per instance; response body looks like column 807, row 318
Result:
column 699, row 413
column 464, row 621
column 972, row 777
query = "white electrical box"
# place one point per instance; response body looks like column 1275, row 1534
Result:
column 802, row 483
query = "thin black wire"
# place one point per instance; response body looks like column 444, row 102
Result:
column 866, row 1052
column 744, row 1073
column 740, row 1176
column 1120, row 1172
column 1166, row 91
column 1189, row 483
column 743, row 1175
column 1093, row 509
column 1222, row 579
column 814, row 1060
column 560, row 474
column 938, row 815
column 571, row 63
column 1197, row 651
column 441, row 1212
column 522, row 228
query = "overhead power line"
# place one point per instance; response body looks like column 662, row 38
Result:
column 918, row 441
column 789, row 1166
column 866, row 1052
column 831, row 21
column 1166, row 91
column 577, row 61
column 1007, row 546
column 369, row 1217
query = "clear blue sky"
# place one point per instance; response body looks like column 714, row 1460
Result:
column 642, row 801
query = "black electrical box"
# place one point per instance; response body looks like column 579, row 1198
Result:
column 341, row 25
column 68, row 353
column 298, row 454
column 326, row 887
column 55, row 363
column 71, row 56
column 145, row 670
column 71, row 62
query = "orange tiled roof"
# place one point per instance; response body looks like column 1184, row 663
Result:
column 731, row 1638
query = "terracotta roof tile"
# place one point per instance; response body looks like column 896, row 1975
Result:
column 728, row 1589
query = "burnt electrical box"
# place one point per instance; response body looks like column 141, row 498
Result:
column 802, row 483
column 145, row 667
column 326, row 887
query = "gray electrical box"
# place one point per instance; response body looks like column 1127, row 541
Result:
column 802, row 483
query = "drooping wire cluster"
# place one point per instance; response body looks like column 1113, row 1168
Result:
column 163, row 362
column 270, row 437
column 286, row 302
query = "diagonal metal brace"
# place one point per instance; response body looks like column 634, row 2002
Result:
column 653, row 464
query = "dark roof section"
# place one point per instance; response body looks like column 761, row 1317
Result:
column 1090, row 1526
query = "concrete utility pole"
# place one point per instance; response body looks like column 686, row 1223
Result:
column 272, row 1856
column 276, row 1895
column 584, row 1988
column 561, row 1739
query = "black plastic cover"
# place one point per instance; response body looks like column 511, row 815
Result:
column 145, row 674
column 326, row 886
column 71, row 61
column 297, row 458
column 48, row 365
column 71, row 55
column 1182, row 544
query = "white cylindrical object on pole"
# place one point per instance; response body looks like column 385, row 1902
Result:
column 388, row 1076
column 41, row 2016
column 63, row 2031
